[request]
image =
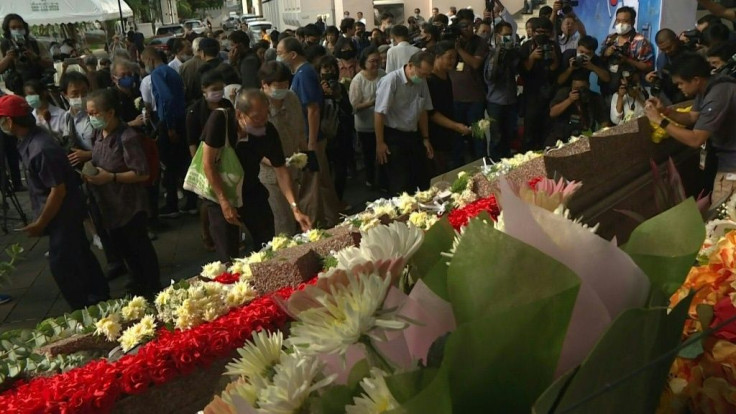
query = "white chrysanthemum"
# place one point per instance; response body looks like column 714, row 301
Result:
column 134, row 335
column 376, row 397
column 297, row 160
column 406, row 203
column 212, row 270
column 241, row 267
column 382, row 243
column 349, row 312
column 135, row 309
column 258, row 257
column 239, row 293
column 455, row 243
column 109, row 327
column 295, row 379
column 462, row 174
column 258, row 356
column 426, row 196
column 564, row 212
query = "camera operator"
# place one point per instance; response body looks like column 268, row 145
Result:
column 576, row 110
column 629, row 102
column 430, row 36
column 21, row 57
column 583, row 58
column 716, row 34
column 720, row 56
column 467, row 81
column 626, row 48
column 711, row 118
column 540, row 59
column 670, row 48
column 501, row 101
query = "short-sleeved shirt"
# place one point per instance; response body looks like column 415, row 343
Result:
column 468, row 82
column 197, row 115
column 307, row 88
column 717, row 109
column 80, row 129
column 578, row 117
column 398, row 56
column 568, row 43
column 250, row 149
column 639, row 49
column 501, row 87
column 147, row 92
column 48, row 167
column 402, row 101
column 119, row 152
column 442, row 98
column 362, row 90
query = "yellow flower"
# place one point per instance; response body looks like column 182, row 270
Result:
column 145, row 329
column 135, row 309
column 315, row 235
column 257, row 257
column 108, row 327
column 422, row 220
column 239, row 293
column 369, row 224
column 212, row 270
column 406, row 203
column 384, row 210
column 280, row 242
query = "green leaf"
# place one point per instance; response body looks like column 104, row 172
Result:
column 627, row 369
column 435, row 398
column 705, row 314
column 692, row 351
column 333, row 400
column 666, row 245
column 406, row 385
column 360, row 370
column 484, row 274
column 428, row 262
column 547, row 402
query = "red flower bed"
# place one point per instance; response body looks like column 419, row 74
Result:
column 95, row 387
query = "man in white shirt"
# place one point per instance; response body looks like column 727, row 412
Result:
column 400, row 53
column 418, row 17
column 360, row 17
column 183, row 51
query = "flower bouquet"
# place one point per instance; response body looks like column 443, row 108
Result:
column 482, row 129
column 297, row 160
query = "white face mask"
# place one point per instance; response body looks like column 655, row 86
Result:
column 622, row 28
column 77, row 104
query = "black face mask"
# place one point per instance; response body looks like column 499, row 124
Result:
column 328, row 76
column 346, row 54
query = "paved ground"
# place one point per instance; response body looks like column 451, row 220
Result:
column 179, row 249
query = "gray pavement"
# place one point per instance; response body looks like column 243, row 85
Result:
column 179, row 248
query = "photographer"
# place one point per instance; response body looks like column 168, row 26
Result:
column 711, row 118
column 629, row 102
column 720, row 56
column 501, row 101
column 670, row 48
column 583, row 58
column 540, row 59
column 21, row 57
column 625, row 49
column 576, row 110
column 467, row 81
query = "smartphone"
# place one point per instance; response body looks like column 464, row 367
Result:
column 73, row 61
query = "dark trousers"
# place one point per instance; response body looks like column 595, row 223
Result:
column 536, row 122
column 341, row 155
column 132, row 242
column 468, row 113
column 73, row 265
column 175, row 158
column 257, row 217
column 112, row 256
column 368, row 144
column 12, row 156
column 503, row 130
column 407, row 163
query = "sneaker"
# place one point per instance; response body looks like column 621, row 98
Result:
column 167, row 212
column 5, row 298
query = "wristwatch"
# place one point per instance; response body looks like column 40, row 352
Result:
column 663, row 124
column 293, row 205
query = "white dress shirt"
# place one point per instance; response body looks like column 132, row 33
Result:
column 398, row 56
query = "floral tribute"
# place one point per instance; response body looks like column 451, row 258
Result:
column 95, row 387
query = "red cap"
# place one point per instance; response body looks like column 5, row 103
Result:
column 14, row 106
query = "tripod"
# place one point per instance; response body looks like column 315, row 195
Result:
column 7, row 194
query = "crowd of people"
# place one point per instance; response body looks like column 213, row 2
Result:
column 396, row 105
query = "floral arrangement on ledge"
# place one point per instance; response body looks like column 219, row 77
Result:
column 702, row 376
column 398, row 324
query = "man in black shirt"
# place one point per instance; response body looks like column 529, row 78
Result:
column 583, row 59
column 576, row 110
column 540, row 59
column 246, row 60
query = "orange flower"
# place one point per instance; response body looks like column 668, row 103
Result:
column 725, row 252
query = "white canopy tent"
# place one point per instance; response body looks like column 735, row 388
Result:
column 37, row 12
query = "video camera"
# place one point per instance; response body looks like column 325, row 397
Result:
column 729, row 69
column 694, row 38
column 548, row 50
column 451, row 33
column 580, row 61
column 656, row 87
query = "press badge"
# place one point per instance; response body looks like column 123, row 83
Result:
column 703, row 156
column 730, row 177
column 460, row 66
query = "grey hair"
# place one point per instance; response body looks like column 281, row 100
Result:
column 126, row 64
column 195, row 45
column 246, row 97
column 121, row 54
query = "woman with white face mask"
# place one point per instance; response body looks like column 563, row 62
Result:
column 284, row 111
column 22, row 58
column 213, row 97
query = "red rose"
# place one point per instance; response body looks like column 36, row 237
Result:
column 723, row 311
column 460, row 217
column 227, row 278
column 163, row 371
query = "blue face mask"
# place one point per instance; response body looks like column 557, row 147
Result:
column 127, row 82
column 34, row 101
column 279, row 93
column 97, row 122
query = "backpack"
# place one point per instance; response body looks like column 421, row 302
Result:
column 329, row 121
